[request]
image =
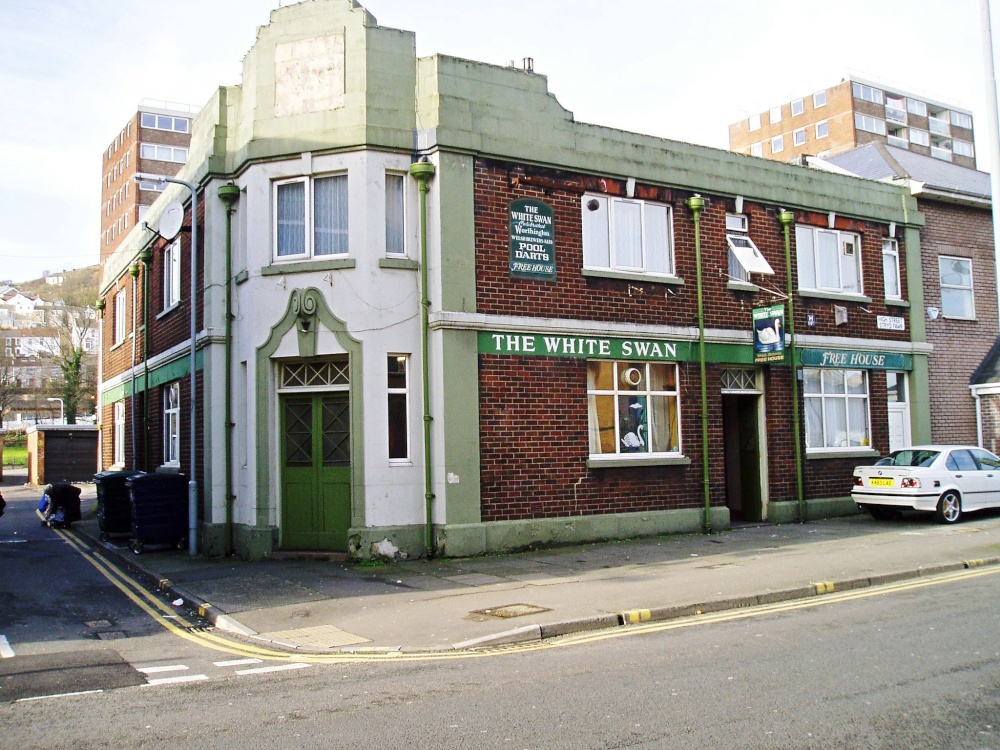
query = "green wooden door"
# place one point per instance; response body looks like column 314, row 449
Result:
column 315, row 471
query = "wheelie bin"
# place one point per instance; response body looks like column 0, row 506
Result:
column 114, row 508
column 159, row 510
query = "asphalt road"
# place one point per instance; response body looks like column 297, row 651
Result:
column 915, row 668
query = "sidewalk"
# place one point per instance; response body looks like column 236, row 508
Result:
column 418, row 605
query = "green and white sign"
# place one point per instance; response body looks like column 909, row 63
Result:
column 848, row 359
column 593, row 347
column 532, row 240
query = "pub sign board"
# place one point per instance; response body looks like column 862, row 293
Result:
column 769, row 333
column 532, row 240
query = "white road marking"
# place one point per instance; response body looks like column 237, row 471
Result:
column 6, row 652
column 279, row 668
column 57, row 695
column 177, row 680
column 237, row 662
column 158, row 670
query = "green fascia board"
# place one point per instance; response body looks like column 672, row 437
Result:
column 157, row 376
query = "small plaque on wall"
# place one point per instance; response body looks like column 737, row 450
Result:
column 532, row 240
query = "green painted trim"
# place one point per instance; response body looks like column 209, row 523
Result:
column 787, row 511
column 242, row 277
column 307, row 266
column 456, row 266
column 312, row 301
column 165, row 373
column 459, row 415
column 853, row 359
column 920, row 391
column 402, row 264
column 627, row 276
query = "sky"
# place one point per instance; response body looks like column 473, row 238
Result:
column 72, row 72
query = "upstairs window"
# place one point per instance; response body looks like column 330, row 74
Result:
column 310, row 217
column 869, row 124
column 916, row 107
column 157, row 152
column 754, row 122
column 164, row 122
column 867, row 93
column 798, row 107
column 623, row 234
column 756, row 149
column 799, row 137
column 822, row 129
column 172, row 275
column 119, row 316
column 828, row 260
column 961, row 120
column 890, row 269
column 957, row 300
column 395, row 217
column 775, row 115
column 744, row 257
column 819, row 99
column 777, row 144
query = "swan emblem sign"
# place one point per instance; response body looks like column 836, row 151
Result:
column 769, row 334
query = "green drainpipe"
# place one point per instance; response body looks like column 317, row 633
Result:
column 697, row 204
column 787, row 218
column 422, row 171
column 229, row 194
column 146, row 256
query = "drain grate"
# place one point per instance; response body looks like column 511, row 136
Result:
column 512, row 610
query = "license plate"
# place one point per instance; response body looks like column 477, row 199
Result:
column 878, row 482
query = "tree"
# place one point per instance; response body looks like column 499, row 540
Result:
column 9, row 385
column 73, row 349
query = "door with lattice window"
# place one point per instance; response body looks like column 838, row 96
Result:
column 316, row 471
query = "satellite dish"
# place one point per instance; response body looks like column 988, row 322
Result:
column 171, row 220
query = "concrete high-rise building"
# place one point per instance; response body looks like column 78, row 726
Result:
column 155, row 140
column 853, row 113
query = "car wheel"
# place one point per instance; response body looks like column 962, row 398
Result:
column 880, row 513
column 949, row 507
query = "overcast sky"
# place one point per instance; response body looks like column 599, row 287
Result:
column 72, row 72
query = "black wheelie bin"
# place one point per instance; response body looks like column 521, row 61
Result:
column 159, row 510
column 114, row 508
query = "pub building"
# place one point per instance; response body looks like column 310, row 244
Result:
column 436, row 315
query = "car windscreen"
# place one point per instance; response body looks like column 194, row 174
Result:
column 909, row 458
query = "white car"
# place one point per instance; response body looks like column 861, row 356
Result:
column 946, row 479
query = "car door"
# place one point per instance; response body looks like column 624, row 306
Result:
column 989, row 466
column 971, row 481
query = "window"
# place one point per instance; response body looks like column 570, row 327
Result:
column 756, row 149
column 621, row 234
column 819, row 99
column 822, row 129
column 754, row 122
column 836, row 408
column 774, row 115
column 895, row 109
column 633, row 407
column 149, row 185
column 828, row 260
column 956, row 287
column 867, row 93
column 119, row 316
column 920, row 137
column 744, row 257
column 172, row 424
column 963, row 148
column 799, row 137
column 798, row 107
column 164, row 122
column 777, row 144
column 961, row 120
column 915, row 107
column 398, row 397
column 869, row 124
column 311, row 217
column 118, row 435
column 172, row 275
column 395, row 215
column 890, row 269
column 159, row 152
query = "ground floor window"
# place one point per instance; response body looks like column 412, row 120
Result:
column 118, row 435
column 172, row 424
column 836, row 407
column 633, row 408
column 398, row 395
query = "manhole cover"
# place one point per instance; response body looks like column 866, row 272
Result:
column 512, row 610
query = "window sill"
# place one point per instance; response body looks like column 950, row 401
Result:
column 169, row 468
column 402, row 264
column 955, row 317
column 305, row 266
column 811, row 293
column 632, row 276
column 742, row 286
column 117, row 344
column 619, row 463
column 897, row 303
column 242, row 277
column 837, row 453
column 168, row 310
column 394, row 462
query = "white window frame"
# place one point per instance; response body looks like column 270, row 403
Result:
column 631, row 379
column 867, row 93
column 798, row 107
column 831, row 400
column 757, row 149
column 919, row 137
column 397, row 391
column 822, row 129
column 172, row 275
column 963, row 148
column 774, row 115
column 869, row 124
column 777, row 144
column 890, row 269
column 754, row 122
column 120, row 313
column 172, row 424
column 161, row 152
column 308, row 218
column 799, row 137
column 811, row 271
column 961, row 120
column 118, row 434
column 819, row 99
column 600, row 237
column 168, row 123
column 948, row 288
column 744, row 256
column 916, row 107
column 395, row 226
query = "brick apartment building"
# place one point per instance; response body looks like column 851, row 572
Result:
column 853, row 113
column 437, row 315
column 155, row 140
